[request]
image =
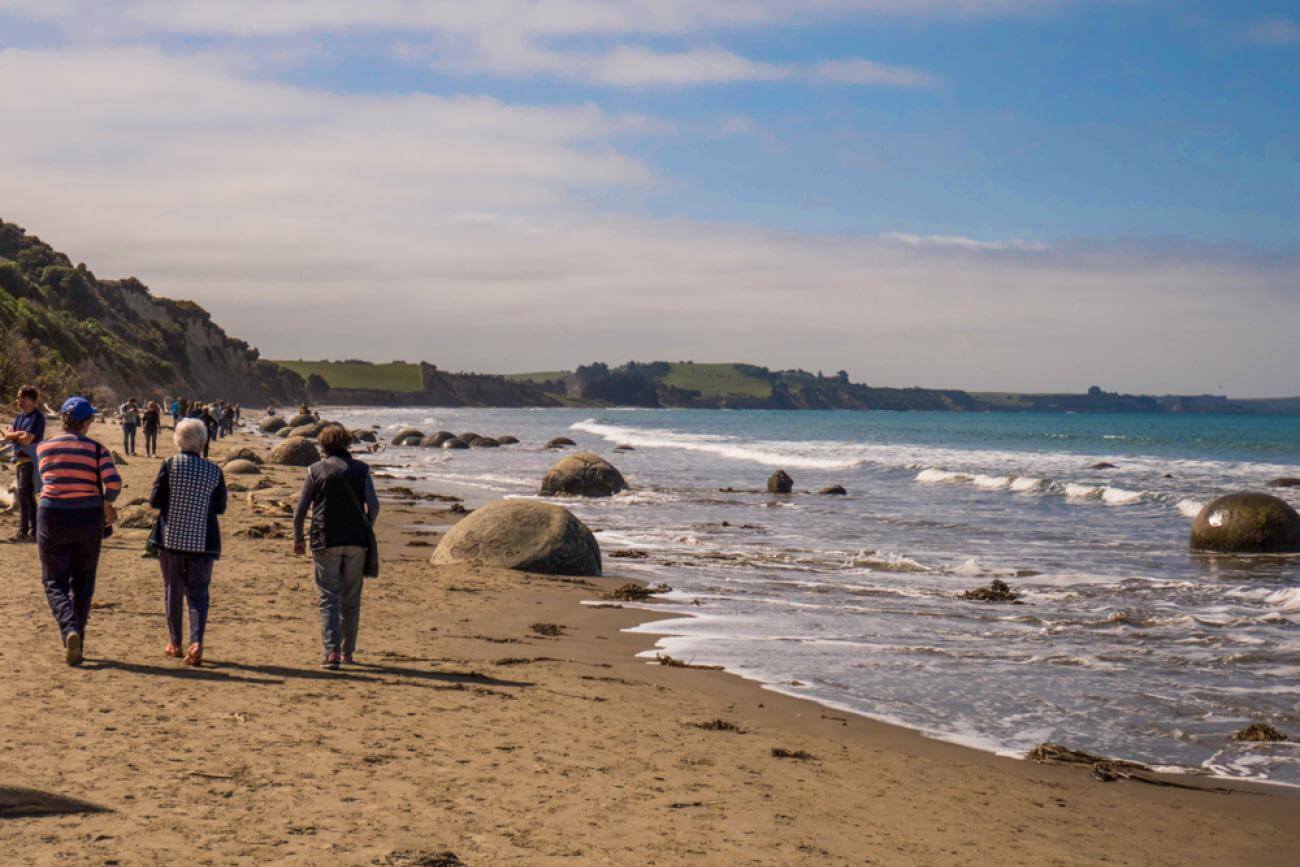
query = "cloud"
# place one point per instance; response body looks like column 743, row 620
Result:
column 458, row 230
column 1274, row 31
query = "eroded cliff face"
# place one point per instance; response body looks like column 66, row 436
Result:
column 449, row 389
column 67, row 330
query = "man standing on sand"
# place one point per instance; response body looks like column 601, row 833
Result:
column 79, row 483
column 25, row 434
column 130, row 412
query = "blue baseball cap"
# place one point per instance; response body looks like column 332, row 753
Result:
column 78, row 409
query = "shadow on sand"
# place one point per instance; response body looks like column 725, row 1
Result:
column 224, row 672
column 16, row 803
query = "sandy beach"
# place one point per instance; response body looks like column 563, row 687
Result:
column 473, row 727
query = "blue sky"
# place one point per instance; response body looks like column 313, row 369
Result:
column 944, row 169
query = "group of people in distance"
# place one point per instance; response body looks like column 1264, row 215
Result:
column 67, row 484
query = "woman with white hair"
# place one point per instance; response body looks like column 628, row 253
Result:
column 189, row 493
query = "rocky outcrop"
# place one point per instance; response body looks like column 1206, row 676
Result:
column 780, row 483
column 295, row 452
column 583, row 475
column 1246, row 523
column 524, row 535
column 241, row 467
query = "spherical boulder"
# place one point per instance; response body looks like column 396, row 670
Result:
column 310, row 431
column 583, row 475
column 507, row 440
column 834, row 491
column 241, row 467
column 454, row 443
column 467, row 437
column 301, row 419
column 283, row 433
column 244, row 454
column 435, row 441
column 1285, row 482
column 271, row 424
column 408, row 436
column 780, row 483
column 1246, row 523
column 560, row 443
column 295, row 452
column 484, row 443
column 361, row 435
column 524, row 535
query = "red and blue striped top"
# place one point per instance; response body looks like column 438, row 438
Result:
column 71, row 470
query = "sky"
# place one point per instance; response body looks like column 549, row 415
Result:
column 1034, row 195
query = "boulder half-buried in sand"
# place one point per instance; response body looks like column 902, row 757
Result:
column 241, row 467
column 271, row 424
column 583, row 475
column 1247, row 523
column 295, row 452
column 523, row 535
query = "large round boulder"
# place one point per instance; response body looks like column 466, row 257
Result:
column 560, row 443
column 525, row 535
column 484, row 443
column 1285, row 482
column 435, row 441
column 295, row 452
column 271, row 424
column 244, row 454
column 241, row 467
column 283, row 433
column 301, row 419
column 780, row 483
column 467, row 437
column 310, row 430
column 583, row 475
column 454, row 443
column 408, row 436
column 361, row 435
column 507, row 440
column 1247, row 523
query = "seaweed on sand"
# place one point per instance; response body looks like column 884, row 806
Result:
column 549, row 630
column 415, row 858
column 665, row 659
column 798, row 755
column 718, row 725
column 631, row 592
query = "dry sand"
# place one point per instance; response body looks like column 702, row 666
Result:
column 465, row 731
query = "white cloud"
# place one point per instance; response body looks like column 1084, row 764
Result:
column 455, row 230
column 1274, row 31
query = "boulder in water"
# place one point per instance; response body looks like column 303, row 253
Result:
column 295, row 452
column 362, row 435
column 780, row 483
column 454, row 443
column 1102, row 465
column 560, row 443
column 507, row 440
column 301, row 419
column 241, row 467
column 484, row 443
column 467, row 437
column 583, row 475
column 408, row 436
column 834, row 491
column 244, row 454
column 310, row 431
column 525, row 535
column 1247, row 523
column 435, row 441
column 271, row 424
column 1285, row 482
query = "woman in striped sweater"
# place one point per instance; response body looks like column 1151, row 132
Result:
column 79, row 483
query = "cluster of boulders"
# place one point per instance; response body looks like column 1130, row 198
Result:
column 445, row 439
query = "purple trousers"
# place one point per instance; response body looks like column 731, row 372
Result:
column 185, row 579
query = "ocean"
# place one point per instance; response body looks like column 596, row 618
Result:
column 1125, row 645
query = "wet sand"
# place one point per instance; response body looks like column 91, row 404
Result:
column 466, row 731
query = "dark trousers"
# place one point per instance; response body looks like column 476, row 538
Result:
column 128, row 438
column 185, row 579
column 339, row 578
column 68, row 541
column 26, row 499
column 151, row 441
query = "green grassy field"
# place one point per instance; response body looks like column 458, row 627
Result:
column 717, row 380
column 394, row 376
column 539, row 376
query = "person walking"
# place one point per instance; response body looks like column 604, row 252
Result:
column 175, row 410
column 24, row 435
column 151, row 422
column 340, row 494
column 130, row 412
column 79, row 483
column 209, row 422
column 189, row 494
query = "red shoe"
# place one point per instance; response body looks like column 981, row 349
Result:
column 172, row 650
column 194, row 655
column 331, row 661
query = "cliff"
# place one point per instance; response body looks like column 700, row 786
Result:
column 69, row 331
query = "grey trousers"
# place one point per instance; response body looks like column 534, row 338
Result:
column 339, row 579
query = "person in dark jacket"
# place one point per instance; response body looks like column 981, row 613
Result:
column 151, row 421
column 189, row 493
column 25, row 434
column 340, row 494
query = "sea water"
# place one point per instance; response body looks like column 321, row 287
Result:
column 1126, row 644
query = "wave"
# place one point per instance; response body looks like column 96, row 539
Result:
column 773, row 453
column 1189, row 508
